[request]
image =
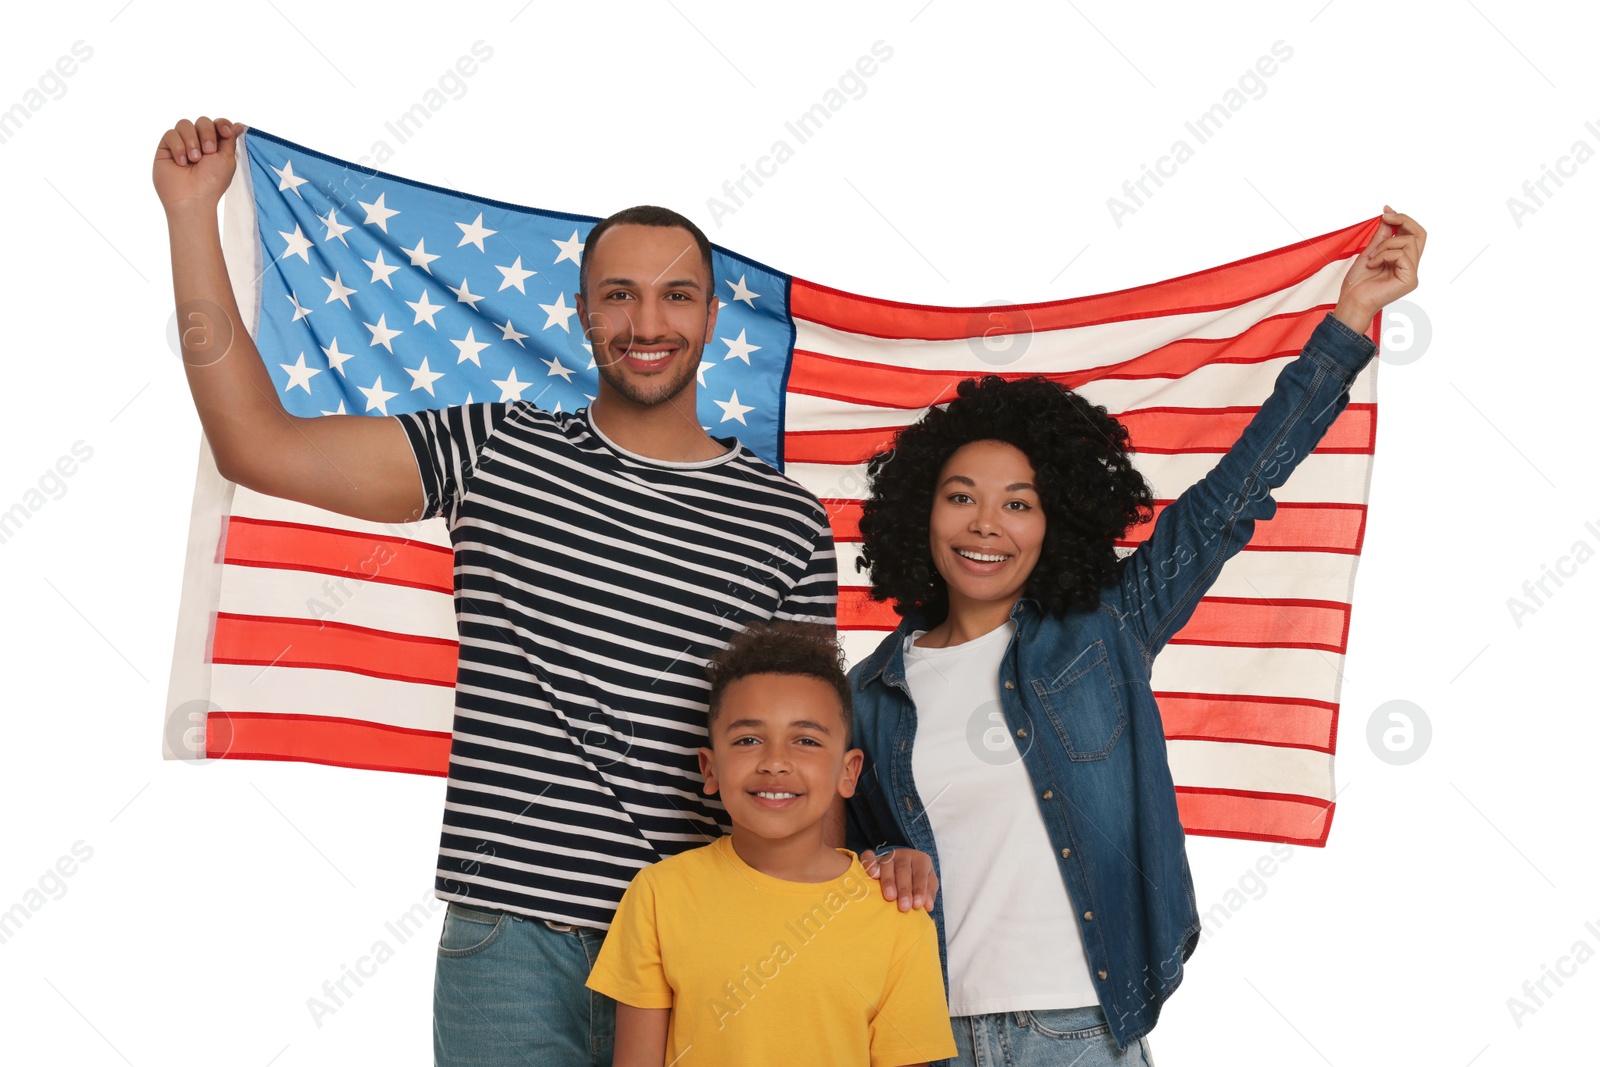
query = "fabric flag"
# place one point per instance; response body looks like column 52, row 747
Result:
column 305, row 635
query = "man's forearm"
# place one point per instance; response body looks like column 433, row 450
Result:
column 232, row 390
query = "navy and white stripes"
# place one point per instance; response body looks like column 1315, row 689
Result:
column 591, row 586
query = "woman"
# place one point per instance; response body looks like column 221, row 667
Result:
column 1008, row 723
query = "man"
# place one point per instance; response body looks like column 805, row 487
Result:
column 601, row 557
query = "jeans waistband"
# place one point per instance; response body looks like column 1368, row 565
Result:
column 489, row 914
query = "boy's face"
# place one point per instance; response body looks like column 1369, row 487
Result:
column 778, row 754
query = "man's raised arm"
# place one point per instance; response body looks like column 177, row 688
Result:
column 352, row 464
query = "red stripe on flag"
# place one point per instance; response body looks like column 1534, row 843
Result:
column 1239, row 622
column 1286, row 722
column 363, row 557
column 1229, row 622
column 858, row 611
column 1297, row 527
column 1219, row 287
column 845, row 518
column 1156, row 431
column 324, row 739
column 271, row 641
column 879, row 385
column 1294, row 820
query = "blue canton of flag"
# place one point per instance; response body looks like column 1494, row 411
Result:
column 397, row 296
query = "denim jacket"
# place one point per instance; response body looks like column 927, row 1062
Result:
column 1075, row 692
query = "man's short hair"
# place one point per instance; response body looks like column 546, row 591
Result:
column 797, row 648
column 646, row 215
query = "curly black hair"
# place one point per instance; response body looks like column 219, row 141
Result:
column 798, row 648
column 1088, row 487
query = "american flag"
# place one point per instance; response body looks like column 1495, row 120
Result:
column 305, row 635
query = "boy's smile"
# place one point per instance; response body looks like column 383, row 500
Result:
column 778, row 758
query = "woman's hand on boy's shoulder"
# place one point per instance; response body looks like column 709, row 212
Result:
column 905, row 875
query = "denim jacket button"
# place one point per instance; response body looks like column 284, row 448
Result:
column 1010, row 684
column 1088, row 916
column 1066, row 853
column 1022, row 732
column 1102, row 974
column 1048, row 793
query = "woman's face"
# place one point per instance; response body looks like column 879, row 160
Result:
column 987, row 525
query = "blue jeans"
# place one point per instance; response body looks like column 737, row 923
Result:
column 508, row 990
column 1067, row 1037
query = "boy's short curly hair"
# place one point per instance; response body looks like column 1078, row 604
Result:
column 799, row 648
column 1087, row 484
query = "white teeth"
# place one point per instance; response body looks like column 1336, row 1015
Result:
column 649, row 357
column 778, row 796
column 981, row 557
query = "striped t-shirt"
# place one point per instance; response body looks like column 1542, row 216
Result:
column 591, row 586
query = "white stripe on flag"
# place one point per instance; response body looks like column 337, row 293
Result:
column 340, row 694
column 1259, row 768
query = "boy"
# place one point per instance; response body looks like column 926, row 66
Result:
column 767, row 946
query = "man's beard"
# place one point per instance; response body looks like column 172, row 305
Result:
column 655, row 390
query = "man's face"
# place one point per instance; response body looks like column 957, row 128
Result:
column 649, row 311
column 778, row 754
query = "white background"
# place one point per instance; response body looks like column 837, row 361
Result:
column 976, row 167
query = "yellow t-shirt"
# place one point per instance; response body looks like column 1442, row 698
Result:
column 761, row 971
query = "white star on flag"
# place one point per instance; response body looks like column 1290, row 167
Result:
column 382, row 335
column 335, row 228
column 299, row 312
column 509, row 333
column 378, row 214
column 559, row 313
column 556, row 369
column 336, row 358
column 571, row 248
column 514, row 275
column 420, row 256
column 700, row 372
column 741, row 293
column 381, row 270
column 287, row 178
column 425, row 310
column 377, row 396
column 337, row 411
column 510, row 388
column 732, row 409
column 422, row 377
column 300, row 374
column 464, row 295
column 469, row 348
column 299, row 244
column 474, row 232
column 739, row 349
column 338, row 290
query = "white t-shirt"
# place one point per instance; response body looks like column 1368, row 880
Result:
column 1010, row 933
